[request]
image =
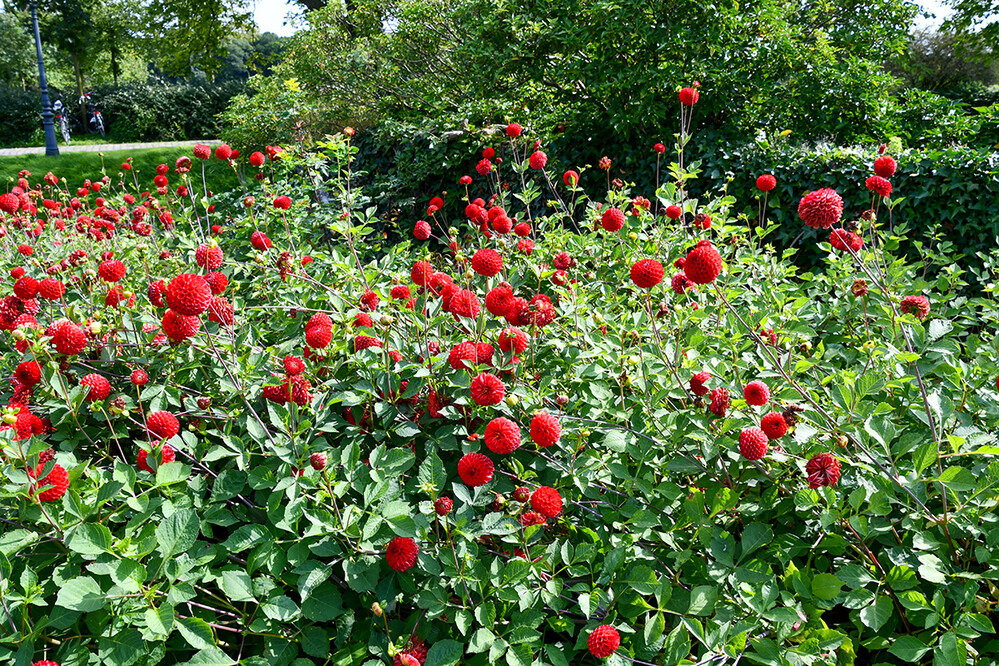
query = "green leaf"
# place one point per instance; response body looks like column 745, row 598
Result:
column 196, row 632
column 160, row 620
column 324, row 604
column 211, row 657
column 702, row 600
column 908, row 648
column 431, row 474
column 877, row 613
column 81, row 594
column 122, row 648
column 444, row 653
column 481, row 641
column 754, row 536
column 237, row 585
column 245, row 537
column 826, row 586
column 952, row 651
column 178, row 532
column 89, row 539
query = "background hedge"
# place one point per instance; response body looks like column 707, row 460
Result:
column 133, row 112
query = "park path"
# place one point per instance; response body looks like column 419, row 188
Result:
column 96, row 147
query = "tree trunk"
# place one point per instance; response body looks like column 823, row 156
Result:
column 79, row 90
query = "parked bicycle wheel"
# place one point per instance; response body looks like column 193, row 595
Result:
column 99, row 122
column 64, row 128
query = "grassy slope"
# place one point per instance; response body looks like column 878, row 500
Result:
column 76, row 167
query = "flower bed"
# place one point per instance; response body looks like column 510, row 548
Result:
column 554, row 431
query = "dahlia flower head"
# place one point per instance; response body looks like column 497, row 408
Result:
column 821, row 209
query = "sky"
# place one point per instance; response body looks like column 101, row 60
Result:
column 270, row 15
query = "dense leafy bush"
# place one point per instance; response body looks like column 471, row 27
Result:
column 133, row 111
column 166, row 112
column 20, row 115
column 380, row 460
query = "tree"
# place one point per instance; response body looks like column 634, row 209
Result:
column 192, row 35
column 17, row 57
column 976, row 22
column 941, row 61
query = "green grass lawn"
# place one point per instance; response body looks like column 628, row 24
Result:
column 77, row 167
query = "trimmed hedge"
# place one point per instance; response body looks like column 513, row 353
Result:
column 133, row 112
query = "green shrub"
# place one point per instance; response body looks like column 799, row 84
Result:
column 20, row 115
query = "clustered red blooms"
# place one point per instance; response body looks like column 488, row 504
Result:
column 821, row 209
column 647, row 273
column 475, row 469
column 703, row 264
column 603, row 641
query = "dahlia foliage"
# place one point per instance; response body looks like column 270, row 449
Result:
column 542, row 428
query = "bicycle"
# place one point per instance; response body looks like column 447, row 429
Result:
column 62, row 120
column 95, row 120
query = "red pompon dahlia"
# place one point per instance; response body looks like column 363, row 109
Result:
column 845, row 241
column 822, row 470
column 774, row 425
column 821, row 208
column 878, row 185
column 139, row 377
column 487, row 389
column 209, row 256
column 674, row 212
column 179, row 327
column 282, row 202
column 498, row 300
column 604, row 640
column 421, row 231
column 547, row 501
column 155, row 293
column 57, row 478
column 365, row 342
column 28, row 373
column 475, row 469
column 698, row 382
column 463, row 356
column 512, row 339
column 259, row 240
column 545, row 429
column 502, row 436
column 917, row 306
column 167, row 454
column 612, row 219
column 513, row 130
column 647, row 273
column 45, row 663
column 318, row 337
column 51, row 289
column 465, row 303
column 753, row 443
column 98, row 387
column 885, row 166
column 538, row 160
column 766, row 183
column 69, row 338
column 484, row 353
column 319, row 319
column 163, row 425
column 689, row 96
column 570, row 178
column 756, row 393
column 370, row 300
column 703, row 264
column 201, row 151
column 401, row 553
column 487, row 262
column 111, row 271
column 421, row 272
column 188, row 294
column 26, row 288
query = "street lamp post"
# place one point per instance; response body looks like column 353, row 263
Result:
column 51, row 147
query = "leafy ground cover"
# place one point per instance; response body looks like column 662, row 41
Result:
column 553, row 430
